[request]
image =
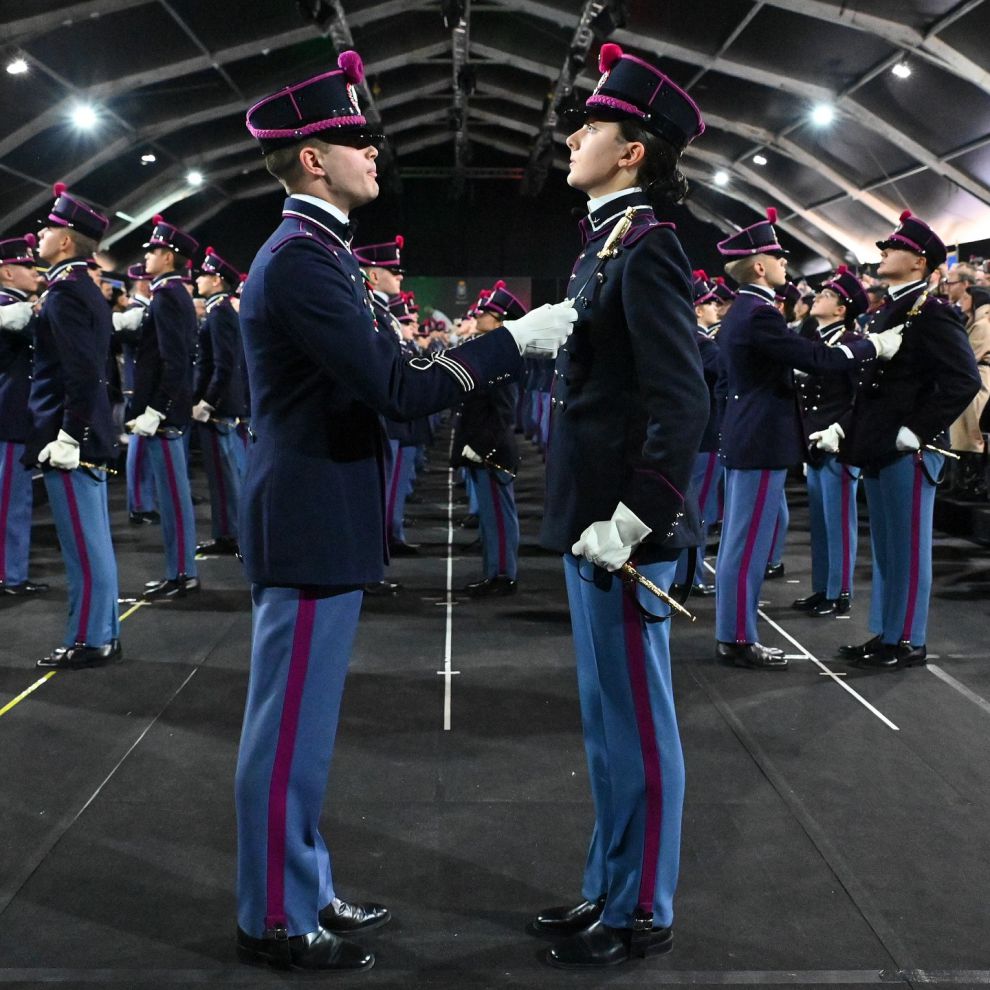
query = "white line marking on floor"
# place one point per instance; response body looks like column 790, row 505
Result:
column 447, row 673
column 836, row 677
column 960, row 687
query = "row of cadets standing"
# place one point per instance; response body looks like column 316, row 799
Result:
column 72, row 433
column 825, row 403
column 761, row 432
column 221, row 402
column 899, row 423
column 19, row 285
column 161, row 406
column 322, row 373
column 485, row 446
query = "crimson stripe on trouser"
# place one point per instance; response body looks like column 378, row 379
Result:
column 912, row 595
column 173, row 490
column 302, row 639
column 754, row 526
column 652, row 774
column 706, row 483
column 87, row 574
column 846, row 535
column 8, row 479
column 394, row 488
column 221, row 487
column 499, row 522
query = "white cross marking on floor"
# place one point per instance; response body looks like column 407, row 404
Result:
column 448, row 673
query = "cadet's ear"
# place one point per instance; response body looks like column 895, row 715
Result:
column 634, row 155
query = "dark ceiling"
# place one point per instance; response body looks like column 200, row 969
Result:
column 467, row 107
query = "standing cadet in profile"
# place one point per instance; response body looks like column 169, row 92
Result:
column 313, row 515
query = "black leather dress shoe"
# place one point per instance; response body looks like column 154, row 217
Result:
column 143, row 518
column 754, row 655
column 342, row 918
column 80, row 656
column 831, row 606
column 492, row 587
column 381, row 588
column 23, row 589
column 221, row 546
column 317, row 950
column 470, row 521
column 807, row 603
column 843, row 603
column 893, row 657
column 177, row 587
column 850, row 652
column 773, row 571
column 399, row 549
column 599, row 945
column 703, row 590
column 558, row 922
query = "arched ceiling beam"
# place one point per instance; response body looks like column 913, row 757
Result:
column 37, row 24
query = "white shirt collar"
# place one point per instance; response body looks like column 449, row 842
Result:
column 896, row 291
column 759, row 290
column 599, row 201
column 334, row 211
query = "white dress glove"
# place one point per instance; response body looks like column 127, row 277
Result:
column 15, row 316
column 61, row 453
column 828, row 439
column 201, row 411
column 907, row 439
column 471, row 455
column 610, row 544
column 146, row 425
column 887, row 343
column 543, row 331
column 130, row 319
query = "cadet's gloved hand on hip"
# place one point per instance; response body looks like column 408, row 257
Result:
column 146, row 425
column 907, row 439
column 61, row 453
column 610, row 544
column 201, row 411
column 828, row 439
column 471, row 455
column 544, row 330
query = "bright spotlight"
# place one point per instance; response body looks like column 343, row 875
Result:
column 759, row 160
column 823, row 115
column 17, row 67
column 149, row 158
column 84, row 116
column 721, row 178
column 194, row 178
column 902, row 70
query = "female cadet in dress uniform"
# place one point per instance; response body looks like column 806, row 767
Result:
column 629, row 408
column 312, row 529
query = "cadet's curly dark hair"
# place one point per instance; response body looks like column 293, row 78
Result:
column 659, row 175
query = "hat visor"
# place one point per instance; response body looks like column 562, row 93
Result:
column 898, row 245
column 352, row 137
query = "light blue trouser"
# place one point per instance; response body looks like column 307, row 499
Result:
column 223, row 458
column 15, row 514
column 497, row 521
column 168, row 459
column 832, row 508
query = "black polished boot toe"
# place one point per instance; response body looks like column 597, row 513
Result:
column 23, row 589
column 756, row 656
column 843, row 603
column 144, row 518
column 774, row 571
column 827, row 606
column 171, row 588
column 343, row 918
column 222, row 546
column 319, row 950
column 893, row 656
column 807, row 603
column 381, row 588
column 599, row 945
column 851, row 652
column 556, row 922
column 492, row 587
column 703, row 590
column 80, row 656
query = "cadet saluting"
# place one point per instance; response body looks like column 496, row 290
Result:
column 313, row 512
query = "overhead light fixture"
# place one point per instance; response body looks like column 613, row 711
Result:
column 759, row 160
column 194, row 178
column 902, row 70
column 17, row 67
column 823, row 115
column 126, row 217
column 149, row 158
column 84, row 116
column 721, row 178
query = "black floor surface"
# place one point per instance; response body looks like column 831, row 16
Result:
column 826, row 843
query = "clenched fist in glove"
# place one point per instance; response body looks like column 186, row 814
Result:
column 130, row 319
column 471, row 455
column 201, row 411
column 907, row 439
column 15, row 316
column 543, row 331
column 887, row 343
column 828, row 439
column 146, row 425
column 610, row 544
column 61, row 453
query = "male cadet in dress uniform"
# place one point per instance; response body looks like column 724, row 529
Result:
column 161, row 406
column 18, row 284
column 628, row 412
column 761, row 432
column 220, row 397
column 313, row 514
column 825, row 403
column 72, row 434
column 485, row 445
column 897, row 419
column 127, row 330
column 707, row 472
column 726, row 297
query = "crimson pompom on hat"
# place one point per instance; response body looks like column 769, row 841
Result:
column 387, row 255
column 474, row 310
column 324, row 106
column 19, row 250
column 702, row 288
column 915, row 235
column 632, row 89
column 501, row 302
column 760, row 238
column 167, row 235
column 850, row 291
column 70, row 211
column 722, row 291
column 213, row 264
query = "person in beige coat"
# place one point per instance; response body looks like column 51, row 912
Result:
column 964, row 434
